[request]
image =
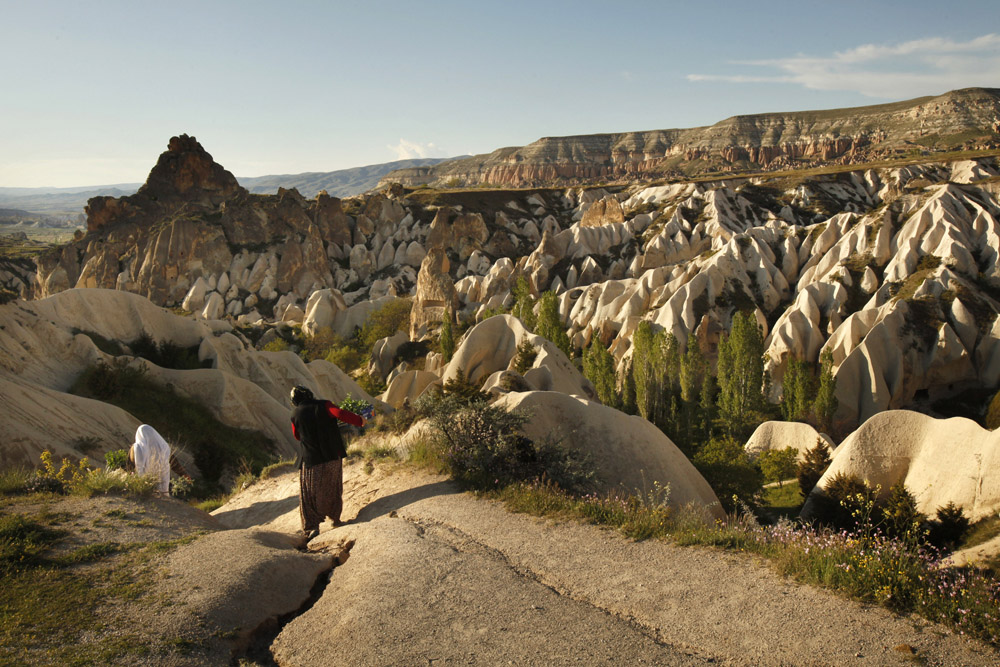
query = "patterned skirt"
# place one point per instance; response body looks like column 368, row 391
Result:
column 321, row 489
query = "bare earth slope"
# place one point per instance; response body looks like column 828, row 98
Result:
column 438, row 577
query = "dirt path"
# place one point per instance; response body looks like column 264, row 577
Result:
column 438, row 577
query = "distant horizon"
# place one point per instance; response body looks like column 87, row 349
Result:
column 92, row 93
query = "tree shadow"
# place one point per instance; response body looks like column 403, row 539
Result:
column 258, row 513
column 396, row 501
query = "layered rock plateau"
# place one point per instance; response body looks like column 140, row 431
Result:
column 958, row 119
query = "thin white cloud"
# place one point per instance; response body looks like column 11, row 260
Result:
column 408, row 150
column 908, row 69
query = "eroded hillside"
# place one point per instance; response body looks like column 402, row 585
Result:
column 892, row 270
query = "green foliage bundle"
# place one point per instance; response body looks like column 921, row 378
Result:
column 116, row 459
column 825, row 405
column 525, row 357
column 165, row 354
column 949, row 527
column 107, row 381
column 846, row 503
column 798, row 391
column 899, row 514
column 385, row 322
column 447, row 339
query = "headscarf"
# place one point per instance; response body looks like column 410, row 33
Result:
column 152, row 455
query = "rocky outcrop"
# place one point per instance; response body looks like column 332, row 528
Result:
column 435, row 297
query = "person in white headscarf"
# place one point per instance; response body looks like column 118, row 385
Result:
column 151, row 455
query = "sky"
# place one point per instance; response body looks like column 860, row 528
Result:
column 93, row 91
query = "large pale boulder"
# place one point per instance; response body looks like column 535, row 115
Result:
column 491, row 346
column 939, row 460
column 384, row 352
column 629, row 452
column 407, row 387
column 777, row 435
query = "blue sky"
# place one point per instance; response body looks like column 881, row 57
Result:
column 93, row 91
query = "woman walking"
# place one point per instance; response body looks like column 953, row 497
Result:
column 321, row 473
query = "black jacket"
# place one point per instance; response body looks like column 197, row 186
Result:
column 318, row 432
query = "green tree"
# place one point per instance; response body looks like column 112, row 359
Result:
column 741, row 373
column 646, row 363
column 524, row 304
column 384, row 322
column 599, row 368
column 778, row 464
column 550, row 324
column 811, row 468
column 691, row 380
column 825, row 405
column 900, row 516
column 725, row 466
column 447, row 340
column 629, row 404
column 798, row 393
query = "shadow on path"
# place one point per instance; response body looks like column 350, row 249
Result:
column 258, row 513
column 396, row 501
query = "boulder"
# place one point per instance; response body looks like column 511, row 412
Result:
column 407, row 387
column 776, row 435
column 939, row 461
column 629, row 453
column 435, row 295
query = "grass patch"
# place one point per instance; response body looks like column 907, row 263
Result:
column 982, row 531
column 783, row 501
column 50, row 611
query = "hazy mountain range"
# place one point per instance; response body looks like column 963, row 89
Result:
column 68, row 203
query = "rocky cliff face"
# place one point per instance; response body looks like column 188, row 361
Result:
column 962, row 118
column 893, row 270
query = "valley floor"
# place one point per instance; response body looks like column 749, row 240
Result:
column 435, row 576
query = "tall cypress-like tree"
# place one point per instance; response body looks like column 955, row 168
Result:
column 599, row 368
column 550, row 324
column 447, row 340
column 524, row 304
column 825, row 405
column 741, row 373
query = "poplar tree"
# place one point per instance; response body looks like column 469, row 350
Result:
column 524, row 304
column 550, row 325
column 599, row 368
column 447, row 340
column 825, row 405
column 741, row 373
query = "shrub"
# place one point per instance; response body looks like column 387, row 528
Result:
column 726, row 468
column 277, row 345
column 22, row 541
column 466, row 392
column 116, row 460
column 525, row 358
column 109, row 380
column 384, row 322
column 481, row 446
column 949, row 527
column 812, row 467
column 846, row 503
column 166, row 354
column 900, row 517
column 15, row 480
column 115, row 482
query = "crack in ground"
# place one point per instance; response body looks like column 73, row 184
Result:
column 461, row 541
column 256, row 647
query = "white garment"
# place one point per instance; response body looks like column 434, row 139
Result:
column 152, row 456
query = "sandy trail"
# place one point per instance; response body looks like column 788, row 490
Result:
column 439, row 577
